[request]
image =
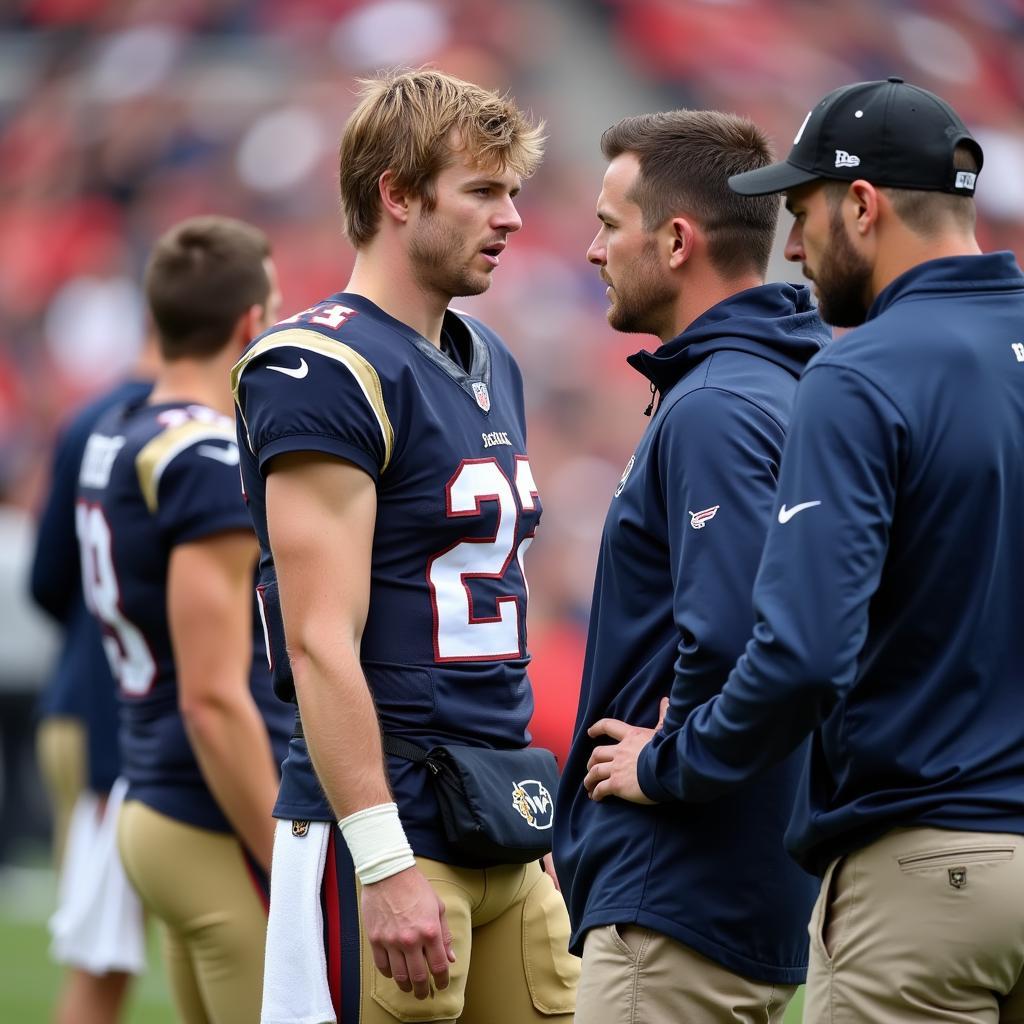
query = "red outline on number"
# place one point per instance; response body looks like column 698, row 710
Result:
column 324, row 322
column 534, row 496
column 105, row 628
column 518, row 652
column 310, row 313
column 261, row 603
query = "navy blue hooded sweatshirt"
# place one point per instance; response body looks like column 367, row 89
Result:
column 890, row 601
column 671, row 611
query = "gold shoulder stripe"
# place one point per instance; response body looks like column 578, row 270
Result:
column 155, row 456
column 360, row 368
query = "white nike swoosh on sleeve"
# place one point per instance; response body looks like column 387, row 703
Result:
column 785, row 514
column 228, row 455
column 298, row 372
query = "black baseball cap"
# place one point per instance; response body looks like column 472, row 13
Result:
column 889, row 133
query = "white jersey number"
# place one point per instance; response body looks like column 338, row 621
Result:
column 127, row 651
column 459, row 635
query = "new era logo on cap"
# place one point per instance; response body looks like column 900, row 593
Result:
column 966, row 179
column 889, row 133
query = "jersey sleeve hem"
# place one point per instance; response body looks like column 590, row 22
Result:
column 207, row 525
column 318, row 443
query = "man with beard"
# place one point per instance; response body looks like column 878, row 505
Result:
column 888, row 601
column 384, row 458
column 687, row 912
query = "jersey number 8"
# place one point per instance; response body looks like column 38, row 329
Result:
column 127, row 651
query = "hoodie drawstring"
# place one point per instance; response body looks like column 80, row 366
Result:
column 654, row 397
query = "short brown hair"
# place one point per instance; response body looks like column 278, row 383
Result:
column 404, row 123
column 686, row 158
column 926, row 213
column 202, row 275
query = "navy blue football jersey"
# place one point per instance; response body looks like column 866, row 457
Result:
column 444, row 438
column 82, row 685
column 153, row 477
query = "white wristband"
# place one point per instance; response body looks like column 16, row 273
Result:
column 377, row 843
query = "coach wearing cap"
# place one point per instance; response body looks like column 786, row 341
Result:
column 890, row 601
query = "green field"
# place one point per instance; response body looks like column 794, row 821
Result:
column 29, row 981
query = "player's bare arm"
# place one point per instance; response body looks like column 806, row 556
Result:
column 209, row 606
column 320, row 515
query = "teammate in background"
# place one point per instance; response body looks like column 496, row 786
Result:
column 889, row 599
column 383, row 449
column 77, row 746
column 168, row 560
column 687, row 912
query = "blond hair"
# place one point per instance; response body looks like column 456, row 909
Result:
column 412, row 123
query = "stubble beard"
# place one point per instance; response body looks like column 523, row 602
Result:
column 843, row 279
column 436, row 252
column 640, row 297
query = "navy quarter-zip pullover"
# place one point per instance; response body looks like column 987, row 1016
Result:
column 671, row 611
column 889, row 602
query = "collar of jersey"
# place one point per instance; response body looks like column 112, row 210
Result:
column 480, row 358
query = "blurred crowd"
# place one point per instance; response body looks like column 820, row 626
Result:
column 120, row 117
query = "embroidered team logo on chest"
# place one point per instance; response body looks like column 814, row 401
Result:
column 625, row 475
column 698, row 520
column 482, row 395
column 533, row 801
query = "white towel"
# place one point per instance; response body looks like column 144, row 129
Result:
column 295, row 988
column 98, row 925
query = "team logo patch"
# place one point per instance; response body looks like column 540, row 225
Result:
column 482, row 395
column 300, row 828
column 625, row 475
column 698, row 520
column 958, row 877
column 533, row 801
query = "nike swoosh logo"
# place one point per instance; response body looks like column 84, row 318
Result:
column 228, row 455
column 298, row 372
column 785, row 514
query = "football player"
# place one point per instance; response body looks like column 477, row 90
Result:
column 97, row 928
column 383, row 447
column 168, row 558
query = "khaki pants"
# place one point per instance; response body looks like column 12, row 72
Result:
column 924, row 925
column 213, row 923
column 510, row 931
column 509, row 925
column 632, row 975
column 61, row 753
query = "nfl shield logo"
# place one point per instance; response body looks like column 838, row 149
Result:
column 483, row 399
